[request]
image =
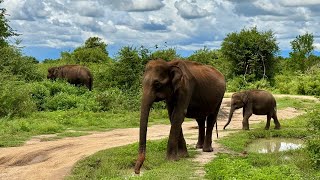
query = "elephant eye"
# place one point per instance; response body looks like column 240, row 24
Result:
column 157, row 84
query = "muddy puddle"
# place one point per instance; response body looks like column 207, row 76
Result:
column 273, row 145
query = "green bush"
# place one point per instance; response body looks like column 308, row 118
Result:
column 15, row 99
column 313, row 142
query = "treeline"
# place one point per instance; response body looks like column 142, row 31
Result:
column 248, row 60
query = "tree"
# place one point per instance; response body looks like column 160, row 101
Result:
column 302, row 48
column 251, row 52
column 5, row 30
column 93, row 51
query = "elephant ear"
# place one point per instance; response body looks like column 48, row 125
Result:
column 177, row 77
column 245, row 97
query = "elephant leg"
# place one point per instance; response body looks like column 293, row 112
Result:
column 268, row 122
column 276, row 121
column 211, row 120
column 182, row 146
column 245, row 122
column 201, row 134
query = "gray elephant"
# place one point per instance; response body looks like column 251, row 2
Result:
column 190, row 90
column 258, row 102
column 74, row 74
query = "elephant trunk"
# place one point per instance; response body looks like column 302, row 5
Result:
column 146, row 104
column 230, row 117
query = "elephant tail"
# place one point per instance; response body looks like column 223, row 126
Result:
column 90, row 83
column 217, row 128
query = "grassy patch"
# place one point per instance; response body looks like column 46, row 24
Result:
column 14, row 132
column 297, row 103
column 118, row 163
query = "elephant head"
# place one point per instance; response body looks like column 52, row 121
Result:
column 160, row 81
column 53, row 73
column 238, row 100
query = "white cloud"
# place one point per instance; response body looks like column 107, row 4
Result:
column 184, row 24
column 189, row 10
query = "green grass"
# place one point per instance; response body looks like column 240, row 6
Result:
column 14, row 132
column 118, row 163
column 297, row 103
column 293, row 164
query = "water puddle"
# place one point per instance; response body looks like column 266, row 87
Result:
column 274, row 145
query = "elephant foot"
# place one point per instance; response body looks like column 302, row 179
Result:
column 183, row 153
column 207, row 149
column 266, row 128
column 199, row 146
column 173, row 157
column 277, row 127
column 245, row 128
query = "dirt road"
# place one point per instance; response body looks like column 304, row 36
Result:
column 55, row 159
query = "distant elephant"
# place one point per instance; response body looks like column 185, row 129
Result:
column 74, row 74
column 190, row 90
column 258, row 102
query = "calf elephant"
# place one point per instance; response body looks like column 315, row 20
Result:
column 190, row 90
column 257, row 102
column 74, row 74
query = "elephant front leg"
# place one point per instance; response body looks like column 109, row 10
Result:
column 245, row 121
column 182, row 146
column 173, row 142
column 201, row 133
column 268, row 122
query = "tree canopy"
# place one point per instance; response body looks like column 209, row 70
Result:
column 251, row 52
column 302, row 48
column 5, row 30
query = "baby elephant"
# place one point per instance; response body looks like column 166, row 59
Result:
column 256, row 102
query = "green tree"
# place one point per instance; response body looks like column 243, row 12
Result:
column 302, row 48
column 5, row 30
column 251, row 52
column 128, row 68
column 93, row 51
column 165, row 54
column 213, row 58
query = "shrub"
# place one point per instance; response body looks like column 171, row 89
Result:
column 313, row 142
column 15, row 99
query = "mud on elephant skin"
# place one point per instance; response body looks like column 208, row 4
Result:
column 258, row 102
column 74, row 74
column 190, row 90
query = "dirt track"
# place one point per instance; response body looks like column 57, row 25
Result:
column 55, row 159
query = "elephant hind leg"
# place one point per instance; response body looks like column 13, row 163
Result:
column 276, row 121
column 211, row 120
column 201, row 134
column 268, row 122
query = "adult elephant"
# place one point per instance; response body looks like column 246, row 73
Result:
column 258, row 102
column 74, row 74
column 190, row 90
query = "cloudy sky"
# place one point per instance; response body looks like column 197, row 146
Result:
column 51, row 26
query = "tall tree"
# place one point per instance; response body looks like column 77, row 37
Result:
column 251, row 52
column 5, row 30
column 302, row 48
column 93, row 51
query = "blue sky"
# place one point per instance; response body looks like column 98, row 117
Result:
column 51, row 26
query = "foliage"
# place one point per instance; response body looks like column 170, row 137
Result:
column 165, row 54
column 119, row 163
column 313, row 142
column 5, row 30
column 128, row 69
column 15, row 99
column 93, row 51
column 302, row 47
column 14, row 64
column 213, row 58
column 251, row 52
